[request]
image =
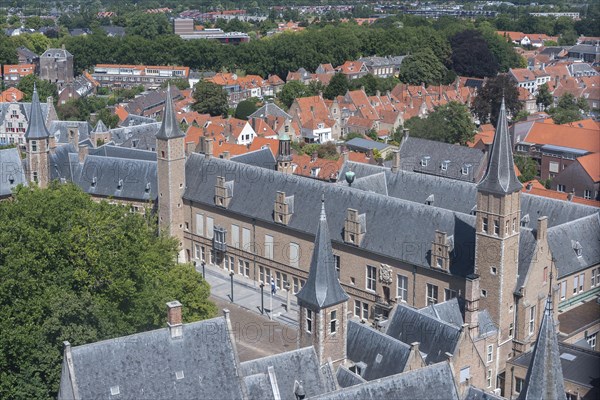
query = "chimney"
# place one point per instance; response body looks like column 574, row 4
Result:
column 208, row 149
column 542, row 228
column 345, row 156
column 529, row 186
column 52, row 143
column 313, row 156
column 406, row 134
column 83, row 152
column 73, row 134
column 570, row 195
column 189, row 148
column 226, row 155
column 174, row 320
column 472, row 295
column 396, row 161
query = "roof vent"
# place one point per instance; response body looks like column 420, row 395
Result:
column 429, row 201
column 147, row 187
column 94, row 181
column 378, row 358
column 577, row 247
column 568, row 356
column 350, row 177
column 120, row 184
column 179, row 375
column 425, row 161
column 11, row 179
column 114, row 390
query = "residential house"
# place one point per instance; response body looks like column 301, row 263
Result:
column 585, row 52
column 11, row 95
column 353, row 69
column 82, row 86
column 240, row 88
column 26, row 56
column 581, row 177
column 15, row 117
column 383, row 67
column 151, row 77
column 56, row 66
column 530, row 79
column 529, row 39
column 277, row 120
column 318, row 123
column 12, row 74
column 151, row 103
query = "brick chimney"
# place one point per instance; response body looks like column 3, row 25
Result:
column 571, row 195
column 83, row 152
column 174, row 320
column 472, row 295
column 396, row 161
column 542, row 228
column 313, row 156
column 208, row 149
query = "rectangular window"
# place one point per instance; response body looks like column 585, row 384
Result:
column 196, row 251
column 563, row 290
column 229, row 263
column 496, row 228
column 593, row 280
column 490, row 353
column 484, row 224
column 200, row 224
column 587, row 194
column 449, row 294
column 261, row 274
column 371, row 278
column 510, row 329
column 432, row 294
column 506, row 227
column 294, row 254
column 531, row 320
column 33, row 145
column 514, row 225
column 336, row 261
column 553, row 167
column 575, row 284
column 465, row 373
column 246, row 240
column 357, row 308
column 402, row 288
column 308, row 321
column 333, row 322
column 296, row 287
column 519, row 383
column 244, row 267
column 235, row 236
column 269, row 247
column 561, row 188
column 545, row 274
column 581, row 279
column 365, row 309
column 591, row 339
column 489, row 378
column 210, row 227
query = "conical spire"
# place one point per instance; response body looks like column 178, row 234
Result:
column 36, row 128
column 544, row 377
column 322, row 288
column 100, row 127
column 500, row 176
column 169, row 128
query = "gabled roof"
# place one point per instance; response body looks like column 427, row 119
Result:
column 269, row 109
column 263, row 158
column 169, row 129
column 322, row 288
column 145, row 365
column 13, row 173
column 566, row 136
column 545, row 377
column 36, row 128
column 447, row 311
column 591, row 165
column 500, row 177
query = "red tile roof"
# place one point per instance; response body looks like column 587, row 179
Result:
column 539, row 190
column 591, row 165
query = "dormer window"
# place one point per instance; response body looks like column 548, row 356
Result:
column 466, row 169
column 34, row 145
column 11, row 179
column 445, row 164
column 578, row 249
column 147, row 190
column 94, row 181
column 425, row 161
column 120, row 184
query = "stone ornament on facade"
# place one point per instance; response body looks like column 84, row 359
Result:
column 385, row 274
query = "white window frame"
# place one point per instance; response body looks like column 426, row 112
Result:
column 532, row 319
column 269, row 247
column 357, row 308
column 246, row 239
column 235, row 236
column 490, row 353
column 563, row 290
column 210, row 227
column 294, row 254
column 371, row 278
column 587, row 194
column 489, row 378
column 200, row 224
column 581, row 281
column 401, row 287
column 575, row 283
column 309, row 321
column 432, row 294
column 333, row 322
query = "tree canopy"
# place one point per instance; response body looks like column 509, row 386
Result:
column 449, row 123
column 422, row 67
column 210, row 99
column 245, row 108
column 486, row 105
column 471, row 55
column 45, row 89
column 568, row 109
column 338, row 86
column 83, row 271
column 544, row 97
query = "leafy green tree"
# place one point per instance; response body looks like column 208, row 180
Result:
column 83, row 271
column 147, row 25
column 245, row 108
column 338, row 86
column 210, row 99
column 8, row 51
column 486, row 105
column 568, row 109
column 292, row 90
column 544, row 97
column 527, row 166
column 179, row 83
column 111, row 120
column 44, row 88
column 422, row 67
column 449, row 123
column 471, row 55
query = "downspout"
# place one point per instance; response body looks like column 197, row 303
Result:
column 414, row 285
column 254, row 249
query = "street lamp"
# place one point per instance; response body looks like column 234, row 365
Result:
column 203, row 271
column 231, row 275
column 262, row 298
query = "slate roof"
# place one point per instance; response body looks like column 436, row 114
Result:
column 60, row 130
column 100, row 127
column 144, row 365
column 563, row 238
column 435, row 336
column 361, row 144
column 322, row 288
column 346, row 378
column 169, row 129
column 137, row 136
column 36, row 127
column 57, row 53
column 253, row 194
column 133, row 119
column 447, row 311
column 259, row 387
column 260, row 158
column 383, row 354
column 269, row 109
column 544, row 376
column 289, row 367
column 500, row 177
column 430, row 383
column 474, row 393
column 454, row 157
column 12, row 172
column 109, row 150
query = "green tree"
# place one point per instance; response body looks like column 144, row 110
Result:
column 8, row 51
column 210, row 99
column 527, row 166
column 291, row 91
column 422, row 67
column 83, row 271
column 544, row 97
column 44, row 88
column 471, row 55
column 245, row 108
column 449, row 123
column 179, row 83
column 568, row 109
column 486, row 105
column 147, row 25
column 111, row 120
column 338, row 86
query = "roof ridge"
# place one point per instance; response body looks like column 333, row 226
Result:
column 380, row 333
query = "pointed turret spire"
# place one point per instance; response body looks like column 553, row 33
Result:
column 500, row 176
column 36, row 128
column 169, row 128
column 100, row 127
column 322, row 288
column 544, row 377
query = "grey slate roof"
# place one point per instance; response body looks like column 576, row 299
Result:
column 259, row 387
column 455, row 157
column 563, row 238
column 435, row 336
column 500, row 176
column 169, row 129
column 260, row 158
column 137, row 136
column 383, row 354
column 100, row 127
column 346, row 378
column 36, row 127
column 544, row 376
column 361, row 144
column 448, row 311
column 269, row 109
column 486, row 324
column 60, row 130
column 289, row 367
column 57, row 53
column 144, row 365
column 109, row 150
column 474, row 393
column 322, row 288
column 12, row 172
column 430, row 383
column 133, row 119
column 256, row 188
column 64, row 164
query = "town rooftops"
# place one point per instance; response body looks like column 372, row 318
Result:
column 591, row 165
column 57, row 53
column 361, row 144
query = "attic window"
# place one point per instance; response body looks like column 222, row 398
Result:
column 147, row 190
column 179, row 375
column 94, row 181
column 466, row 169
column 11, row 179
column 114, row 390
column 425, row 161
column 445, row 165
column 120, row 184
column 578, row 249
